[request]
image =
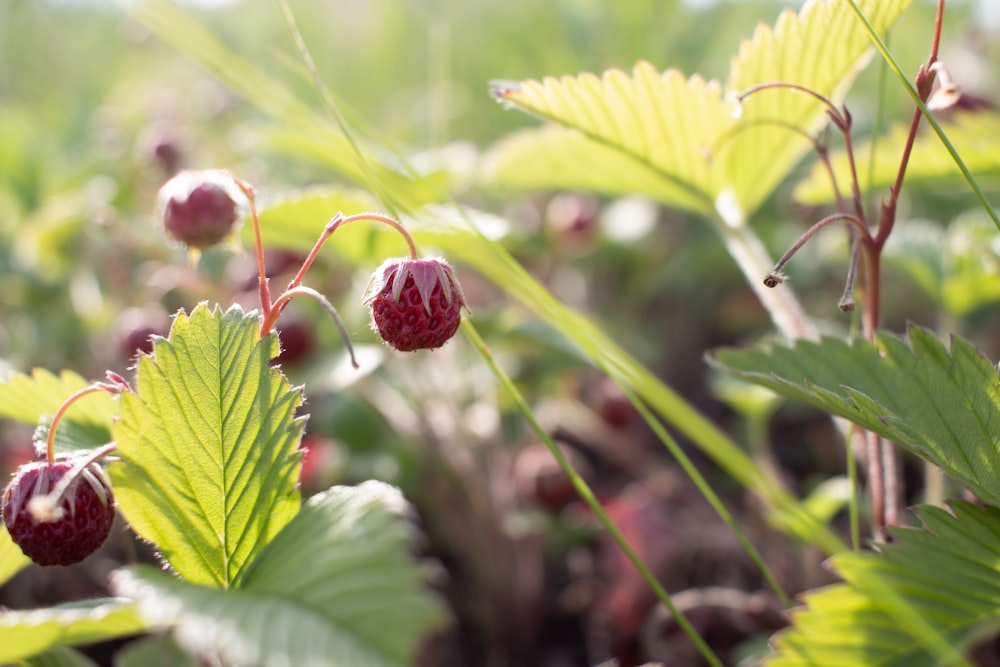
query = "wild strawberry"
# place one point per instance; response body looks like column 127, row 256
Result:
column 416, row 304
column 136, row 327
column 199, row 208
column 61, row 531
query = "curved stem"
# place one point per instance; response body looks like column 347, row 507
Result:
column 289, row 294
column 746, row 248
column 50, row 442
column 774, row 278
column 273, row 310
column 839, row 119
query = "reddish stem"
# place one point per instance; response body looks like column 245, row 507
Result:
column 110, row 387
column 265, row 292
column 273, row 310
column 773, row 279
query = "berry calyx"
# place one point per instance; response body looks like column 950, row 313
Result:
column 415, row 304
column 53, row 525
column 200, row 208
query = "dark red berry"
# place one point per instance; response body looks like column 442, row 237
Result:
column 415, row 304
column 199, row 208
column 136, row 328
column 297, row 342
column 64, row 532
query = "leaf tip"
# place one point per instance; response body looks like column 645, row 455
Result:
column 501, row 90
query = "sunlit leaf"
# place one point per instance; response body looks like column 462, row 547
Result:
column 334, row 588
column 822, row 48
column 208, row 446
column 26, row 633
column 654, row 129
column 942, row 404
column 30, row 398
column 976, row 137
column 680, row 139
column 12, row 560
column 155, row 651
column 59, row 657
column 924, row 596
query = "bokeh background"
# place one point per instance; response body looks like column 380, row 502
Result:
column 96, row 113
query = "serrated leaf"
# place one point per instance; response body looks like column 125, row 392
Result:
column 943, row 582
column 822, row 47
column 208, row 446
column 678, row 138
column 12, row 560
column 656, row 129
column 26, row 633
column 335, row 588
column 30, row 398
column 976, row 137
column 943, row 405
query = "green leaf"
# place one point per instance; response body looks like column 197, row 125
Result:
column 26, row 633
column 33, row 398
column 208, row 446
column 957, row 266
column 335, row 588
column 12, row 560
column 297, row 218
column 652, row 129
column 976, row 137
column 59, row 657
column 911, row 606
column 942, row 405
column 155, row 651
column 822, row 47
column 679, row 139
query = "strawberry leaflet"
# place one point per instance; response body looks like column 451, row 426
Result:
column 209, row 446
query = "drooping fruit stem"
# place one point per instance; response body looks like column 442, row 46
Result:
column 273, row 310
column 116, row 384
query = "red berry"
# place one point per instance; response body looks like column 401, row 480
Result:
column 297, row 342
column 416, row 304
column 68, row 531
column 136, row 327
column 199, row 208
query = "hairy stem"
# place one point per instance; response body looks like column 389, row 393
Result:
column 786, row 312
column 112, row 387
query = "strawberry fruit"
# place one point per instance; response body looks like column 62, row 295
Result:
column 199, row 208
column 415, row 304
column 68, row 530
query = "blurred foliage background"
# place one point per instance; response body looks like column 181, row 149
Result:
column 96, row 113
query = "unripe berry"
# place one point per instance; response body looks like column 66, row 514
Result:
column 199, row 208
column 63, row 530
column 415, row 304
